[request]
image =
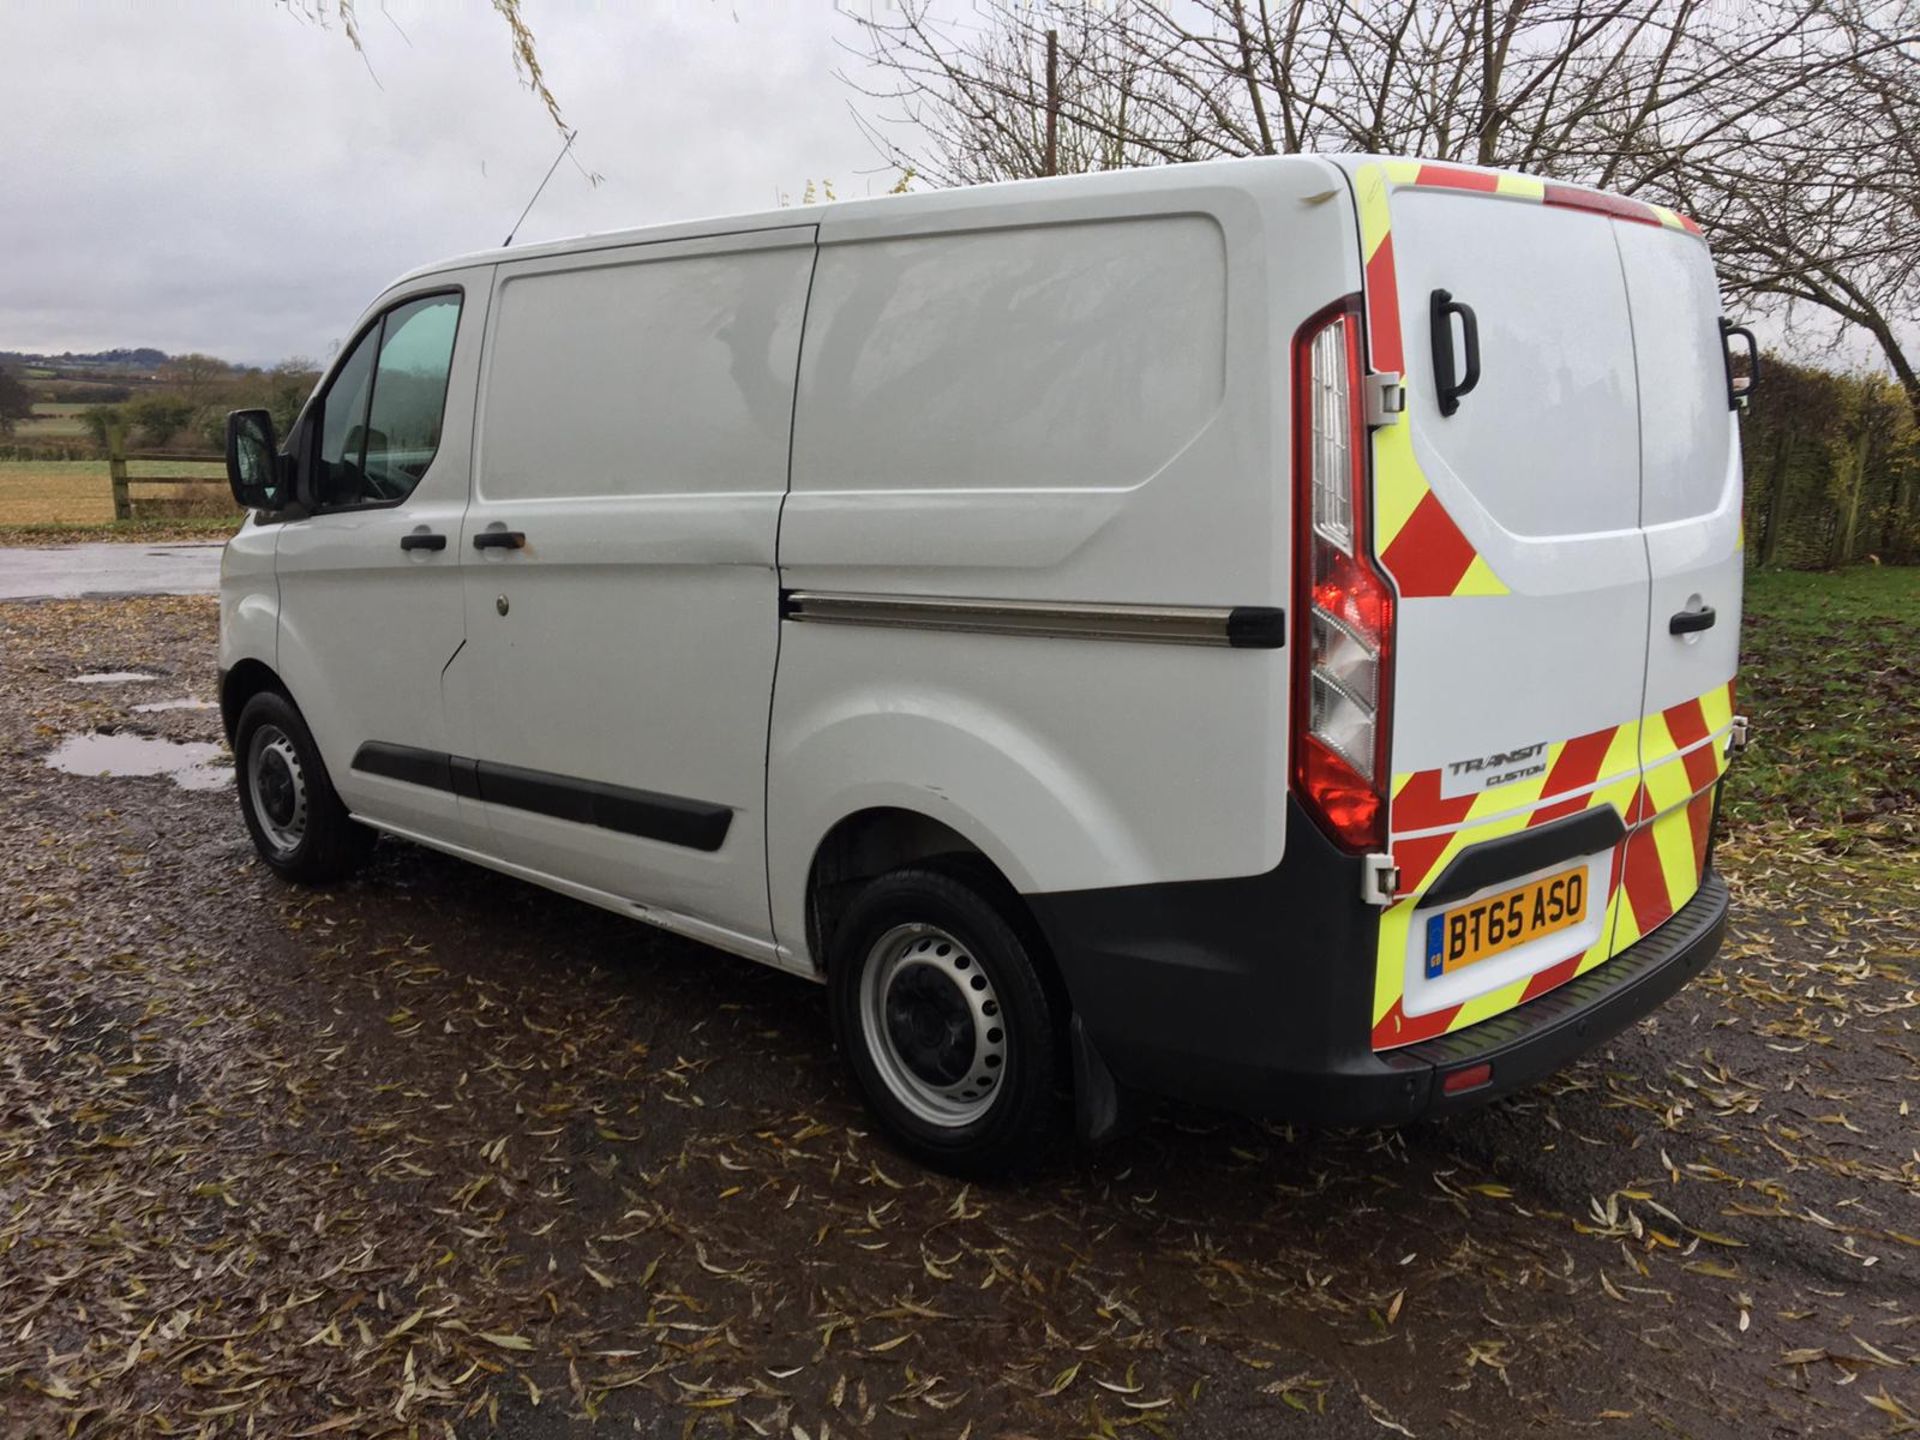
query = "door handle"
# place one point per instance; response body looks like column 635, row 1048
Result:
column 1692, row 622
column 1442, row 307
column 423, row 540
column 499, row 540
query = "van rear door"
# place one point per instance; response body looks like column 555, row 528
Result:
column 1508, row 516
column 1690, row 489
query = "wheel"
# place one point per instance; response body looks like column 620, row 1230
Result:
column 296, row 820
column 945, row 1022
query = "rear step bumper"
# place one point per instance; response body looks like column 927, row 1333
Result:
column 1533, row 1040
column 1255, row 994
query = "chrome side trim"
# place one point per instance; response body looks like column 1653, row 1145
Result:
column 1238, row 626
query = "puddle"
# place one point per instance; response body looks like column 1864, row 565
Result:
column 113, row 677
column 187, row 704
column 190, row 765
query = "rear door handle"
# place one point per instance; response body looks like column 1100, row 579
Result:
column 423, row 540
column 1691, row 622
column 499, row 540
column 1449, row 385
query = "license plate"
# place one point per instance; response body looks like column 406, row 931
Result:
column 1466, row 934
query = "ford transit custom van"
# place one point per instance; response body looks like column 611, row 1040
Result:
column 1261, row 631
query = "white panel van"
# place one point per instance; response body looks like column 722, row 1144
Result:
column 1262, row 632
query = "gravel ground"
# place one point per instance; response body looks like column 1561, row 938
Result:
column 440, row 1153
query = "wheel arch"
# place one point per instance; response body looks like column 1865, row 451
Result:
column 240, row 684
column 878, row 839
column 867, row 843
column 963, row 767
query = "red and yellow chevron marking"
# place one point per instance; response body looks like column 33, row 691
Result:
column 1418, row 541
column 1684, row 757
column 1393, row 1027
column 1415, row 537
column 1658, row 772
column 1430, row 829
column 1600, row 768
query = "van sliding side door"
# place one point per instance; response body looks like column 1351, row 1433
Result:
column 622, row 603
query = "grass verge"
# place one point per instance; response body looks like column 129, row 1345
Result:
column 44, row 492
column 1830, row 675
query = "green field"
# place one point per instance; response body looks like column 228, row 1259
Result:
column 52, row 421
column 40, row 492
column 1830, row 676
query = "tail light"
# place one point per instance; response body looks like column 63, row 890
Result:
column 1343, row 641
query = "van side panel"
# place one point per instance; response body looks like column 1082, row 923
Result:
column 1077, row 402
column 635, row 410
column 249, row 597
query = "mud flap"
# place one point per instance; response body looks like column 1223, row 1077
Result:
column 1099, row 1111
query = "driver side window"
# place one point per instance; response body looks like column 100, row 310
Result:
column 380, row 420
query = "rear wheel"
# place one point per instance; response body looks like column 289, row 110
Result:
column 296, row 820
column 945, row 1022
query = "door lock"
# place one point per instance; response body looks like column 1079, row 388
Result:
column 1386, row 397
column 1379, row 880
column 500, row 604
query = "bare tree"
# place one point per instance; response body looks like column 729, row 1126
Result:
column 1789, row 128
column 194, row 377
column 16, row 401
column 1812, row 198
column 526, row 55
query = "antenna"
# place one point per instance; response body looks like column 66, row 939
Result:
column 543, row 185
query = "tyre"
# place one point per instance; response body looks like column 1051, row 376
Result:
column 945, row 1022
column 296, row 820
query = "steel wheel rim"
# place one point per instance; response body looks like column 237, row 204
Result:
column 277, row 786
column 933, row 1024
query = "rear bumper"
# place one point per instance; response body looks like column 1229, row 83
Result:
column 1533, row 1040
column 1255, row 995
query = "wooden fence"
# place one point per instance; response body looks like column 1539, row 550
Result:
column 212, row 470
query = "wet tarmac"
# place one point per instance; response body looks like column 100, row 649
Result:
column 66, row 572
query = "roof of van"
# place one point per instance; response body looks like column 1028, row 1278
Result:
column 908, row 211
column 933, row 210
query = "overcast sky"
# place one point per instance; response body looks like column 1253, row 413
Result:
column 222, row 175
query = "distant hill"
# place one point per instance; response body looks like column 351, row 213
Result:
column 143, row 359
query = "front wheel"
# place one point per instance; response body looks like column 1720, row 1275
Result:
column 296, row 820
column 945, row 1022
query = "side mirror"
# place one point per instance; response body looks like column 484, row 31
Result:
column 255, row 472
column 1740, row 387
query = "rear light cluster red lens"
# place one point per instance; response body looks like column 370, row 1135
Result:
column 1344, row 610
